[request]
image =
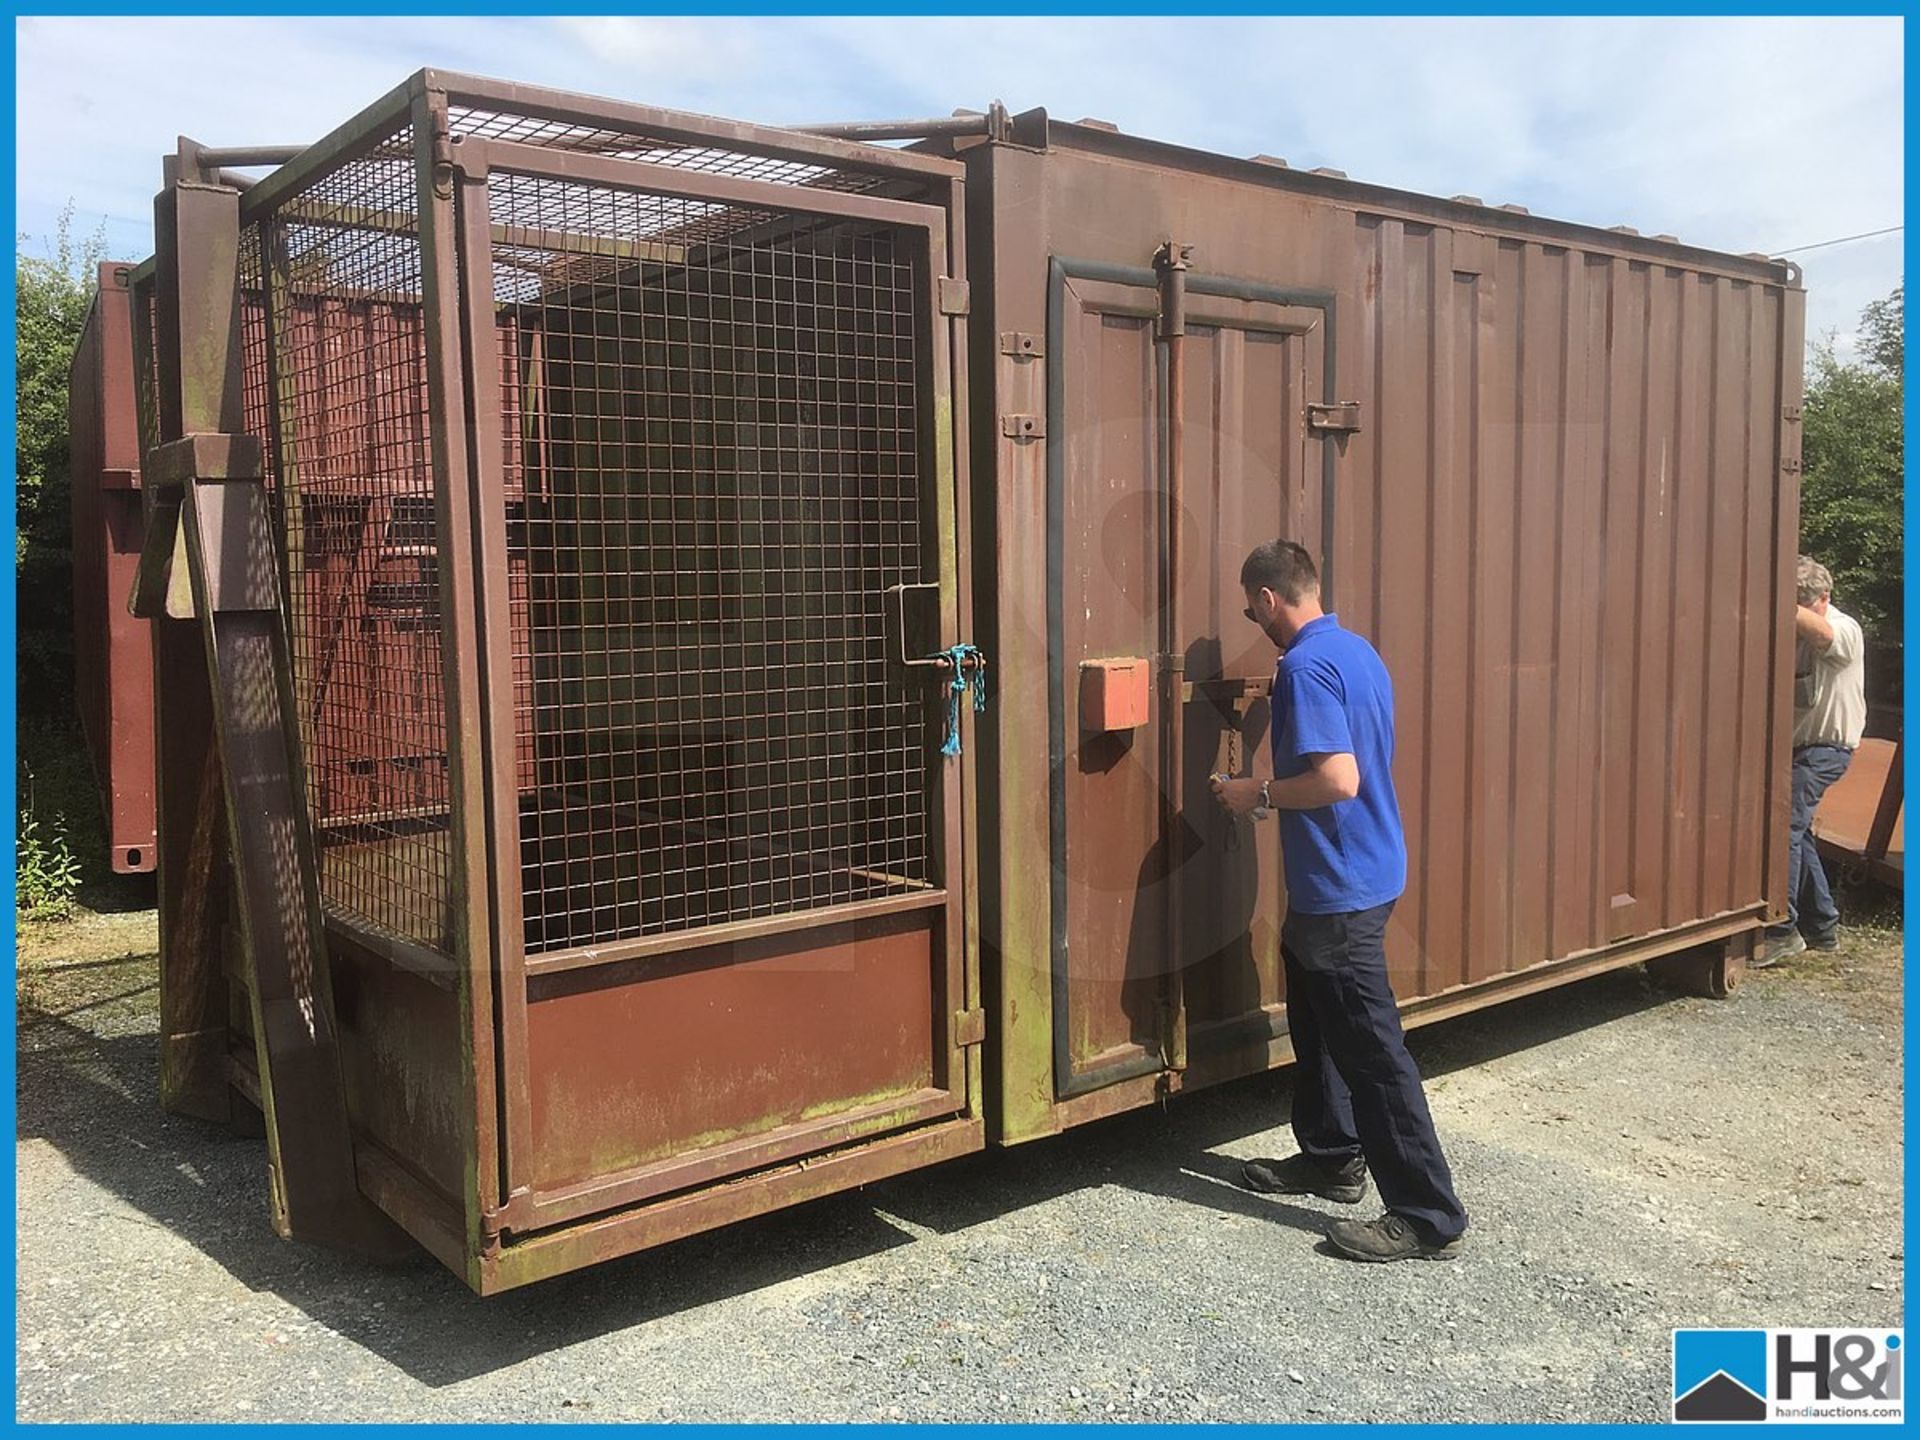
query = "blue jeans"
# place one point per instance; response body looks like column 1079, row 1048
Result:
column 1357, row 1091
column 1810, row 907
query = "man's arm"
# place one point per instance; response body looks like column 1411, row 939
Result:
column 1813, row 627
column 1327, row 780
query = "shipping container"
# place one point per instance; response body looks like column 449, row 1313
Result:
column 637, row 505
column 1547, row 469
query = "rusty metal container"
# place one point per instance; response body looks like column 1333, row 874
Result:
column 615, row 468
column 1549, row 470
column 112, row 651
column 628, row 521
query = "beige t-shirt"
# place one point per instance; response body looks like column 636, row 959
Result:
column 1830, row 686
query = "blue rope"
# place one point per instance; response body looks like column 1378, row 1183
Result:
column 969, row 669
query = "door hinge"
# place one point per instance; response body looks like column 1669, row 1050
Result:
column 1790, row 413
column 969, row 1026
column 1791, row 464
column 510, row 1216
column 1021, row 345
column 956, row 296
column 1334, row 417
column 1024, row 427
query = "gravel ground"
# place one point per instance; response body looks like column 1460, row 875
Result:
column 1634, row 1161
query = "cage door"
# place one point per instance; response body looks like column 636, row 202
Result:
column 713, row 437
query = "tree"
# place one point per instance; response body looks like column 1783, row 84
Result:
column 1852, row 485
column 52, row 294
column 1883, row 332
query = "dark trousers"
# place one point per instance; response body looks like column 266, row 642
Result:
column 1810, row 906
column 1358, row 1091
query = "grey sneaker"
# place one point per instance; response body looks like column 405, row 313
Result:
column 1391, row 1237
column 1824, row 943
column 1778, row 948
column 1303, row 1175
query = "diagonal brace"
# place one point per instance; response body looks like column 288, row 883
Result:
column 210, row 549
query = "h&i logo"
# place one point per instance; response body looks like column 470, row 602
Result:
column 1744, row 1376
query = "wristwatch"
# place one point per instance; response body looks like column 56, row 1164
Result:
column 1265, row 807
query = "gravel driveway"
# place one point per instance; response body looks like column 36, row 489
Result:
column 1634, row 1161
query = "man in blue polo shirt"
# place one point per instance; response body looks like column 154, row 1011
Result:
column 1358, row 1103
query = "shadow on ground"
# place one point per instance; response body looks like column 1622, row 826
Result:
column 88, row 1062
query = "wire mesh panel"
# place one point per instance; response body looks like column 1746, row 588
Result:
column 343, row 325
column 714, row 475
column 614, row 141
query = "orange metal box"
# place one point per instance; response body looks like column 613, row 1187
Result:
column 1114, row 694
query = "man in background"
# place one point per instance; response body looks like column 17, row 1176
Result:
column 1829, row 715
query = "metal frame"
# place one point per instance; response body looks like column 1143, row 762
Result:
column 209, row 553
column 474, row 926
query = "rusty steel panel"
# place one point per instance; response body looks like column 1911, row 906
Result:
column 399, row 1037
column 1555, row 516
column 1861, row 822
column 112, row 651
column 627, row 1066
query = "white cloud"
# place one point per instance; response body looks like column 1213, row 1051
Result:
column 1736, row 134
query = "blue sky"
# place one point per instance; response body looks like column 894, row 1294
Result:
column 1736, row 134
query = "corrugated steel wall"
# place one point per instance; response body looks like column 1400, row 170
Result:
column 1563, row 521
column 1558, row 527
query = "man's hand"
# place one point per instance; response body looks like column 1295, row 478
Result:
column 1813, row 627
column 1238, row 795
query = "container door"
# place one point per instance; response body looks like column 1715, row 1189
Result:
column 714, row 488
column 1126, row 997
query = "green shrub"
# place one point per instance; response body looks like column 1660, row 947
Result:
column 48, row 875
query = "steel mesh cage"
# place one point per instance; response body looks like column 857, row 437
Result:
column 482, row 122
column 337, row 362
column 714, row 475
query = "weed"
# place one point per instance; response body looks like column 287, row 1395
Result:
column 48, row 874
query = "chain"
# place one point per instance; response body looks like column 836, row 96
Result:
column 1233, row 769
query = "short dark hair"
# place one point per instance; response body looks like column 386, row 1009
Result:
column 1282, row 567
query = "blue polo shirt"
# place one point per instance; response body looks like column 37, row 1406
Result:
column 1332, row 694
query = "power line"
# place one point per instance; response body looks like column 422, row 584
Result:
column 1843, row 240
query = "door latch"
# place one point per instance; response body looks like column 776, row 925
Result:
column 1333, row 417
